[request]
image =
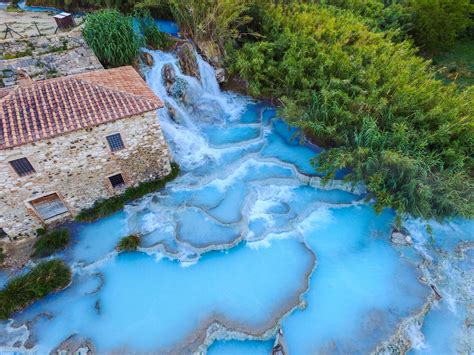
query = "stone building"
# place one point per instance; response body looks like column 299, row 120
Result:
column 67, row 142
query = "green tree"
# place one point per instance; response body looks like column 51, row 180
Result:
column 438, row 23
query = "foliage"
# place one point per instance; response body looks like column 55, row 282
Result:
column 457, row 64
column 70, row 5
column 434, row 24
column 154, row 38
column 207, row 20
column 438, row 23
column 2, row 256
column 381, row 15
column 13, row 6
column 50, row 243
column 373, row 101
column 107, row 207
column 130, row 243
column 112, row 38
column 21, row 291
column 20, row 54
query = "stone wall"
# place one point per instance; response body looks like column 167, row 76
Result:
column 77, row 165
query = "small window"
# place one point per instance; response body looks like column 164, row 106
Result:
column 49, row 206
column 115, row 142
column 22, row 167
column 117, row 181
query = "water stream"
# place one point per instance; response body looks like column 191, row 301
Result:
column 244, row 242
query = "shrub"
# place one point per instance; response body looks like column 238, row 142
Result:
column 107, row 207
column 130, row 243
column 438, row 23
column 112, row 38
column 21, row 291
column 373, row 102
column 51, row 242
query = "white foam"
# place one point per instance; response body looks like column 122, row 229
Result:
column 416, row 337
column 320, row 218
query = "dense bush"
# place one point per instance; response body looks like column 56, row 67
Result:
column 51, row 242
column 130, row 243
column 438, row 23
column 433, row 24
column 21, row 291
column 112, row 37
column 373, row 101
column 107, row 207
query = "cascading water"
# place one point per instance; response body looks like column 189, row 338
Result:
column 242, row 243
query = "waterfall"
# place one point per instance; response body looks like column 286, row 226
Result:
column 201, row 102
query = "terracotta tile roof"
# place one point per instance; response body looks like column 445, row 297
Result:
column 52, row 107
column 4, row 92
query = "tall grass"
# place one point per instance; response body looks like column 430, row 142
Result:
column 210, row 20
column 107, row 207
column 50, row 243
column 21, row 291
column 112, row 38
column 207, row 20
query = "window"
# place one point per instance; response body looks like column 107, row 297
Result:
column 115, row 142
column 22, row 167
column 49, row 206
column 117, row 181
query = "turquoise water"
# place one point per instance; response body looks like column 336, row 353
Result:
column 22, row 5
column 168, row 26
column 241, row 244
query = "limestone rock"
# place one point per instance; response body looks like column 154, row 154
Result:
column 75, row 345
column 401, row 237
column 169, row 75
column 220, row 75
column 187, row 60
column 280, row 347
column 211, row 53
column 147, row 58
column 172, row 112
column 175, row 87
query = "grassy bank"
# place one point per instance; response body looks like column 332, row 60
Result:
column 43, row 279
column 50, row 243
column 106, row 207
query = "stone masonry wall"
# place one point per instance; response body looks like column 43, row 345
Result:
column 77, row 165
